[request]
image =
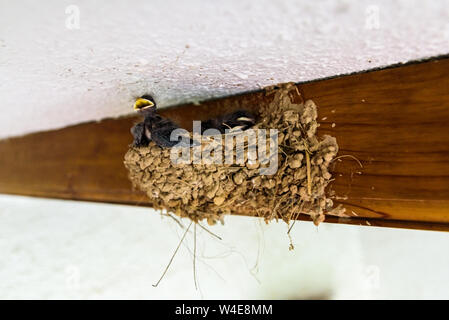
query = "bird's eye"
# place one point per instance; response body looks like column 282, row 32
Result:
column 142, row 104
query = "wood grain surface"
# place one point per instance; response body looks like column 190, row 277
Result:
column 394, row 121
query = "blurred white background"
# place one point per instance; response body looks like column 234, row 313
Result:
column 70, row 250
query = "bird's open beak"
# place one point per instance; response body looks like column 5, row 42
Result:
column 142, row 104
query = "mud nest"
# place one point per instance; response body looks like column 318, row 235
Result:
column 210, row 191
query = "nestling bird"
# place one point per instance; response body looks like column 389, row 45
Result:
column 156, row 128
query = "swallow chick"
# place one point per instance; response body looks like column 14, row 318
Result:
column 238, row 120
column 154, row 127
column 158, row 129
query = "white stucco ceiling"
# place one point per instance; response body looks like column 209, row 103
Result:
column 52, row 76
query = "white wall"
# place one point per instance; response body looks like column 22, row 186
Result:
column 181, row 51
column 64, row 249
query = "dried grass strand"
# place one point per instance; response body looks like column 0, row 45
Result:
column 173, row 256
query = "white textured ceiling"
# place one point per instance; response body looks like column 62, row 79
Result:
column 52, row 76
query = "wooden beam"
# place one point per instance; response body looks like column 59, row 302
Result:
column 395, row 121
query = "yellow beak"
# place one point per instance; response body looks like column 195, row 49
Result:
column 142, row 104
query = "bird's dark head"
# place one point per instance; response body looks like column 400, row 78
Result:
column 145, row 104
